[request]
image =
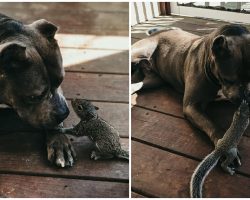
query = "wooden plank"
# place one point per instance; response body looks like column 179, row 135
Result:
column 102, row 87
column 95, row 61
column 96, row 42
column 16, row 186
column 163, row 174
column 76, row 6
column 95, row 30
column 166, row 100
column 26, row 153
column 177, row 135
column 84, row 20
column 117, row 114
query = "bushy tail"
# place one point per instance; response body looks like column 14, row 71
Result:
column 123, row 154
column 201, row 173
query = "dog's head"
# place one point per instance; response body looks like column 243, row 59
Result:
column 31, row 72
column 231, row 55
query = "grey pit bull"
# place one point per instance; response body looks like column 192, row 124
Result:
column 198, row 67
column 30, row 76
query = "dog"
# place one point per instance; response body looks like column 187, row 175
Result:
column 197, row 66
column 30, row 76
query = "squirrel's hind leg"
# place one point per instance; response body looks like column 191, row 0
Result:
column 230, row 156
column 96, row 155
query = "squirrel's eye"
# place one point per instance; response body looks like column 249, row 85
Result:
column 80, row 107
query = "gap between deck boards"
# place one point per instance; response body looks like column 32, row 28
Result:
column 92, row 178
column 95, row 72
column 168, row 114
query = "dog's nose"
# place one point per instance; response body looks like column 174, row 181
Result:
column 62, row 115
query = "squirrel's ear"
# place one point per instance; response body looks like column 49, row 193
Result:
column 96, row 108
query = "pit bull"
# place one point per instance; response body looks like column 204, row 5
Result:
column 30, row 76
column 197, row 66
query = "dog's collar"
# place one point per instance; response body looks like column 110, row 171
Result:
column 210, row 76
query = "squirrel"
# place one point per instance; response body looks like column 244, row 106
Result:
column 226, row 146
column 105, row 137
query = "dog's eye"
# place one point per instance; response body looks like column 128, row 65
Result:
column 80, row 107
column 35, row 99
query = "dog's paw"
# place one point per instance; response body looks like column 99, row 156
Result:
column 60, row 150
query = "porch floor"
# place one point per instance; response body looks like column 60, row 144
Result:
column 165, row 147
column 93, row 38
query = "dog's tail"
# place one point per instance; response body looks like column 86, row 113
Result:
column 157, row 29
column 201, row 173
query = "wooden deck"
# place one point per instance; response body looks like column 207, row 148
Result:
column 94, row 43
column 165, row 148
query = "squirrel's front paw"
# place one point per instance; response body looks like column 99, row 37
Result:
column 94, row 155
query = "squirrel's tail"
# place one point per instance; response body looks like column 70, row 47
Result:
column 201, row 173
column 123, row 154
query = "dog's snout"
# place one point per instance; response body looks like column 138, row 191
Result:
column 62, row 115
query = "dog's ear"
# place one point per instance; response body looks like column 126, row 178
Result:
column 145, row 64
column 220, row 47
column 11, row 54
column 142, row 51
column 45, row 27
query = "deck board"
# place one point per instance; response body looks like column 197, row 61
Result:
column 171, row 178
column 95, row 61
column 168, row 101
column 85, row 21
column 102, row 87
column 26, row 153
column 177, row 135
column 165, row 147
column 16, row 186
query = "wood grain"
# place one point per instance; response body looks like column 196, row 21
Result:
column 95, row 61
column 102, row 87
column 86, row 21
column 177, row 135
column 26, row 153
column 16, row 186
column 171, row 173
column 167, row 100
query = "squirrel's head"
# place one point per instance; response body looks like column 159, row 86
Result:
column 84, row 109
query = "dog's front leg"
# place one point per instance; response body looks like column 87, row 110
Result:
column 196, row 115
column 60, row 150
